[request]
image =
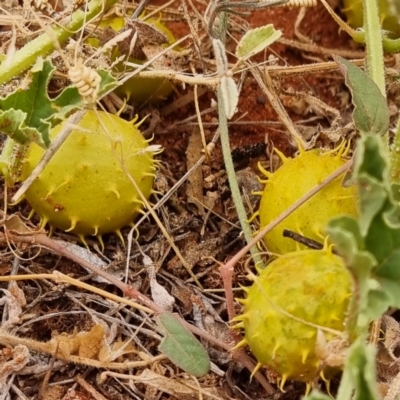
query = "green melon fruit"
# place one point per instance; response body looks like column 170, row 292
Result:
column 84, row 189
column 139, row 90
column 296, row 177
column 389, row 16
column 292, row 298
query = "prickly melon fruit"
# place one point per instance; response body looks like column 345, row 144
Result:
column 139, row 90
column 290, row 182
column 84, row 189
column 294, row 296
column 389, row 16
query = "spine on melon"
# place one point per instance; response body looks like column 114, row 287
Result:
column 296, row 177
column 96, row 182
column 295, row 314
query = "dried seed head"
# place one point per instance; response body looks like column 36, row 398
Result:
column 86, row 79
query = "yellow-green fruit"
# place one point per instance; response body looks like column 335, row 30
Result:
column 296, row 177
column 293, row 295
column 84, row 189
column 140, row 90
column 390, row 18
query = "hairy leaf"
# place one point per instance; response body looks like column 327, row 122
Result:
column 370, row 110
column 257, row 40
column 182, row 348
column 230, row 95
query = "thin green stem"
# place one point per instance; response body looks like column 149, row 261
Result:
column 45, row 43
column 226, row 152
column 230, row 172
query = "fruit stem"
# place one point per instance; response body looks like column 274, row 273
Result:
column 45, row 43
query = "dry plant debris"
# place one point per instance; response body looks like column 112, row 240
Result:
column 53, row 331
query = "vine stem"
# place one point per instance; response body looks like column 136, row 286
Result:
column 233, row 184
column 44, row 44
column 373, row 42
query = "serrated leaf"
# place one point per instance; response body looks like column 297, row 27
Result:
column 392, row 290
column 70, row 100
column 13, row 124
column 67, row 102
column 32, row 107
column 346, row 234
column 371, row 199
column 361, row 364
column 182, row 348
column 370, row 109
column 371, row 159
column 230, row 95
column 378, row 301
column 384, row 243
column 27, row 115
column 257, row 40
column 107, row 83
column 392, row 216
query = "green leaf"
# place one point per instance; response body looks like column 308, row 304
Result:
column 257, row 40
column 346, row 234
column 70, row 100
column 371, row 199
column 107, row 83
column 26, row 111
column 361, row 364
column 13, row 124
column 391, row 289
column 371, row 159
column 182, row 348
column 370, row 110
column 27, row 115
column 377, row 303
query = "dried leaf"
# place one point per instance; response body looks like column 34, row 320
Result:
column 159, row 294
column 15, row 224
column 183, row 389
column 15, row 300
column 20, row 357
